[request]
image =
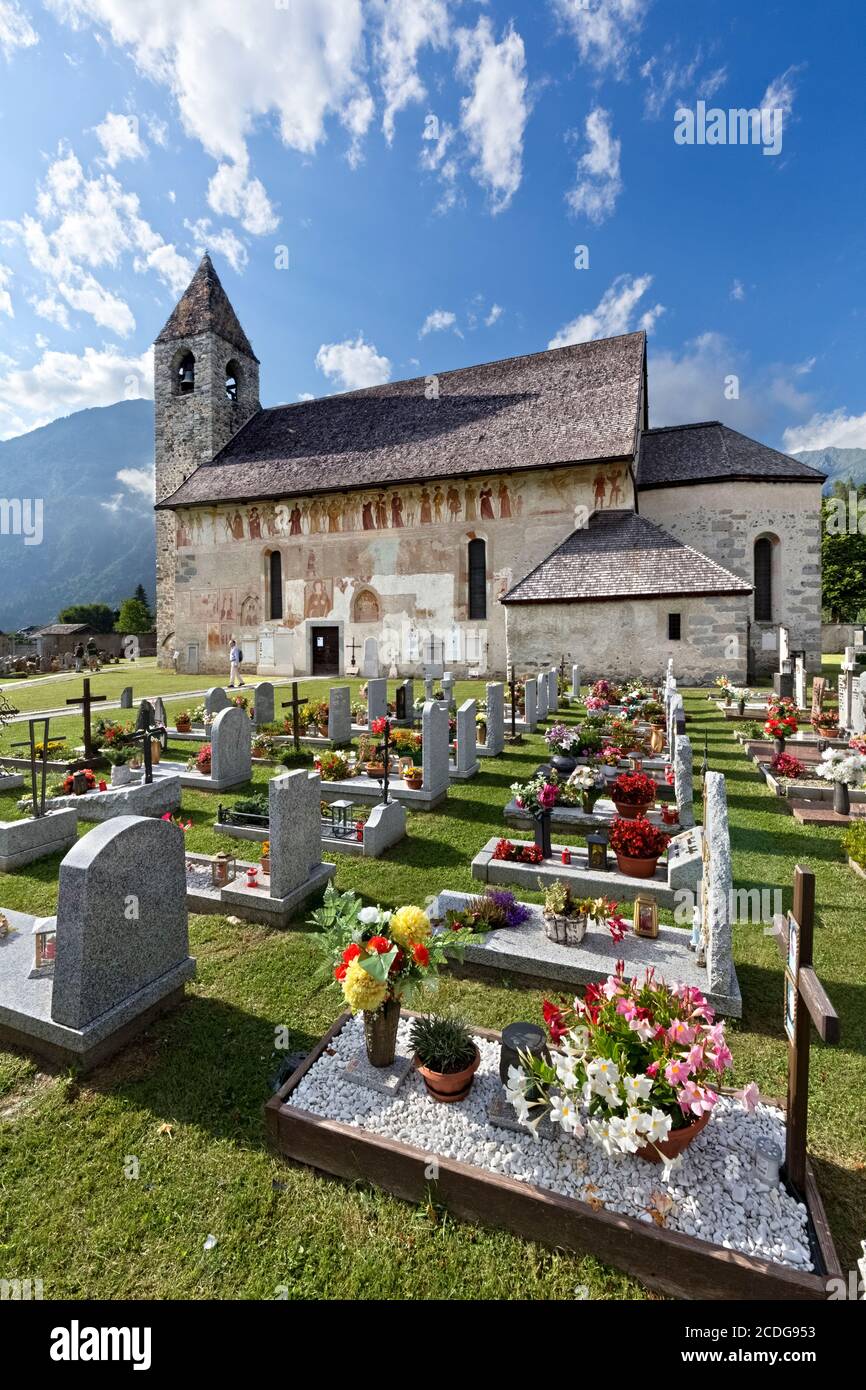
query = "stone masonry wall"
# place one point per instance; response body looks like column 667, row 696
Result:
column 723, row 521
column 629, row 638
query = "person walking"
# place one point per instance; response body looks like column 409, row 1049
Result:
column 79, row 656
column 236, row 656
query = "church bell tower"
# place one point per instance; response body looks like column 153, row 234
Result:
column 206, row 386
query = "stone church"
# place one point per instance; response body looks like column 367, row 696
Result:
column 513, row 512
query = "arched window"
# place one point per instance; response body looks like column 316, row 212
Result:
column 275, row 586
column 185, row 381
column 233, row 380
column 763, row 580
column 477, row 580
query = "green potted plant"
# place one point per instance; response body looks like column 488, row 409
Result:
column 120, row 759
column 333, row 766
column 446, row 1056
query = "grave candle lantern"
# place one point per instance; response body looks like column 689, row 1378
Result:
column 646, row 917
column 44, row 943
column 252, row 876
column 223, row 869
column 517, row 1038
column 566, row 855
column 596, row 846
column 768, row 1157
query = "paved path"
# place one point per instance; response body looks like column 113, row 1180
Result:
column 172, row 695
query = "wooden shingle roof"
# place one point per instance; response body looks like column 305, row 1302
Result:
column 713, row 452
column 622, row 555
column 570, row 405
column 204, row 307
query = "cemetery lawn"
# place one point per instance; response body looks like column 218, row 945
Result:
column 184, row 1103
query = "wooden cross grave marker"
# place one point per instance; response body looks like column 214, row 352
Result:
column 806, row 1002
column 86, row 700
column 295, row 706
column 38, row 791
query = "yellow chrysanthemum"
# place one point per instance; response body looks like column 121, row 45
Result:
column 361, row 991
column 408, row 925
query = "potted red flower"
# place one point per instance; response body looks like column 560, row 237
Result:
column 826, row 724
column 203, row 759
column 638, row 846
column 632, row 793
column 778, row 727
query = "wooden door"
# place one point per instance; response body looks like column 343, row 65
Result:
column 326, row 651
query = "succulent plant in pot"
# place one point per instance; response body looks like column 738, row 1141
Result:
column 446, row 1056
column 120, row 759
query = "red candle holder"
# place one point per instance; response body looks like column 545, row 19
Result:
column 252, row 877
column 103, row 786
column 566, row 856
column 359, row 829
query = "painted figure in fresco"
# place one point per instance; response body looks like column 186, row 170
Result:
column 366, row 607
column 599, row 488
column 198, row 527
column 616, row 492
column 295, row 521
column 237, row 527
column 452, row 497
column 183, row 536
column 281, row 517
column 270, row 518
column 426, row 514
column 306, row 522
column 396, row 509
column 381, row 512
column 334, row 515
column 367, row 515
column 227, row 606
column 254, row 523
column 438, row 499
column 486, row 496
column 411, row 508
column 250, row 611
column 471, row 495
column 317, row 517
column 318, row 600
column 504, row 500
column 350, row 513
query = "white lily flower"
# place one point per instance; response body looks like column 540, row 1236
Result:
column 637, row 1087
column 659, row 1126
column 563, row 1112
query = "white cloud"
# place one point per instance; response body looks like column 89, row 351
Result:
column 230, row 67
column 604, row 29
column 494, row 116
column 437, row 322
column 833, row 430
column 86, row 224
column 157, row 129
column 232, row 193
column 407, row 26
column 599, row 183
column 16, row 31
column 5, row 296
column 669, row 81
column 207, row 238
column 139, row 480
column 780, row 93
column 738, row 290
column 120, row 139
column 49, row 307
column 433, row 159
column 614, row 313
column 62, row 382
column 352, row 365
column 495, row 314
column 712, row 379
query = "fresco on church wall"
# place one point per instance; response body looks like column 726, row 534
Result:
column 446, row 503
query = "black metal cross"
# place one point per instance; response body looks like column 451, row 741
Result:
column 144, row 736
column 806, row 1002
column 354, row 646
column 86, row 700
column 38, row 796
column 295, row 706
column 562, row 668
column 7, row 711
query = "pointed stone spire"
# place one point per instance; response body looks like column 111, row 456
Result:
column 204, row 307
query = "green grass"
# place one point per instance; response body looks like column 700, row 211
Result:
column 70, row 1216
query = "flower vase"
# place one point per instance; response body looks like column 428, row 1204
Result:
column 587, row 802
column 380, row 1033
column 541, row 828
column 564, row 764
column 841, row 799
column 741, row 708
column 778, row 746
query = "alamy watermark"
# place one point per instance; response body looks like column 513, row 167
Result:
column 738, row 126
column 22, row 516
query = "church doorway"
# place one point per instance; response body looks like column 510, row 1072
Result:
column 326, row 651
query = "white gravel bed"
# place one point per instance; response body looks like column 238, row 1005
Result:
column 713, row 1193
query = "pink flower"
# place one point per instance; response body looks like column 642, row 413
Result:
column 547, row 796
column 680, row 1032
column 627, row 1007
column 696, row 1098
column 696, row 1057
column 749, row 1096
column 644, row 1030
column 611, row 987
column 653, row 1068
column 677, row 1072
column 720, row 1059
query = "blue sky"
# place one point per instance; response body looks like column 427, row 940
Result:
column 429, row 167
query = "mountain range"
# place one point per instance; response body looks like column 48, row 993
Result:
column 91, row 470
column 838, row 464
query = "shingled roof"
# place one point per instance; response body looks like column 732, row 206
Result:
column 712, row 452
column 568, row 405
column 204, row 308
column 622, row 555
